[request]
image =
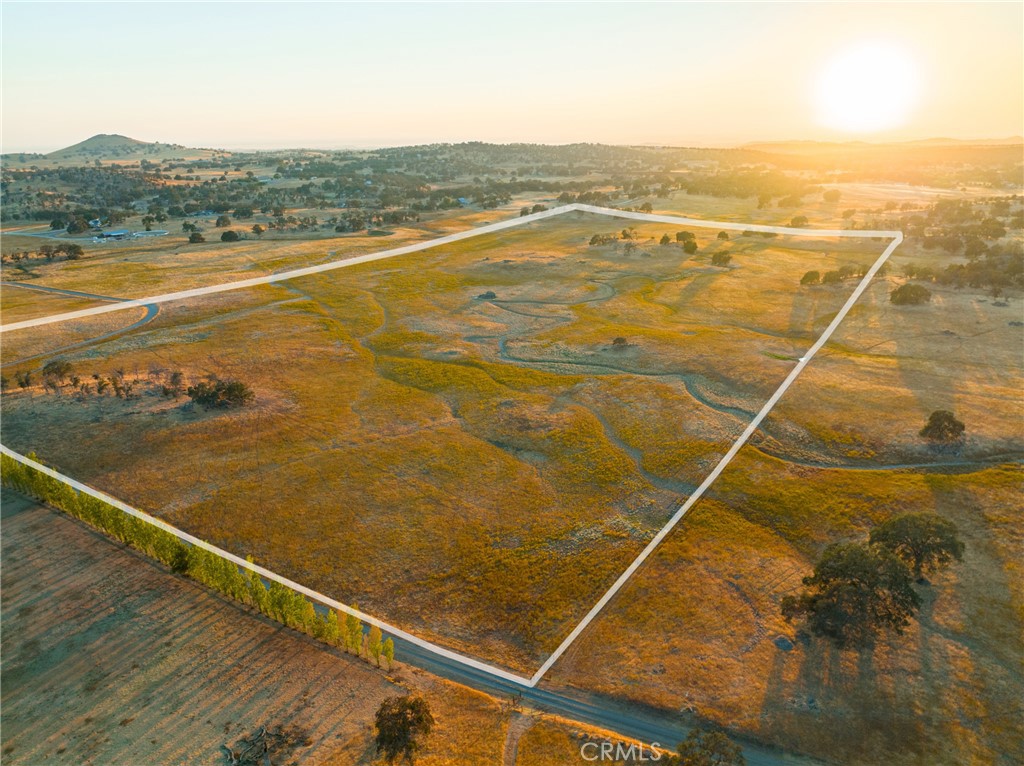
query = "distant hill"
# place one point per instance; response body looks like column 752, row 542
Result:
column 103, row 144
column 113, row 147
column 830, row 147
column 107, row 148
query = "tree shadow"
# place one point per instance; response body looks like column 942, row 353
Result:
column 832, row 704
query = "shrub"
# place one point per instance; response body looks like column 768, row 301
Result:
column 402, row 723
column 709, row 749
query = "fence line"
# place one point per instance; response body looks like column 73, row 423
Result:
column 896, row 238
column 263, row 572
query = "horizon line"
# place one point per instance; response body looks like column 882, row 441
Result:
column 361, row 145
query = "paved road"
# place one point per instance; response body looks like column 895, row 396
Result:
column 52, row 234
column 60, row 291
column 152, row 309
column 647, row 726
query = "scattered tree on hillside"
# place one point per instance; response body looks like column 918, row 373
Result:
column 388, row 650
column 229, row 236
column 58, row 369
column 619, row 342
column 257, row 229
column 856, row 591
column 942, row 426
column 811, row 278
column 524, row 212
column 831, row 278
column 23, row 379
column 910, row 295
column 924, row 541
column 222, row 221
column 175, row 385
column 665, row 239
column 403, row 725
column 690, row 246
column 78, row 226
column 195, row 238
column 720, row 259
column 798, row 221
column 684, row 236
column 709, row 749
column 723, row 235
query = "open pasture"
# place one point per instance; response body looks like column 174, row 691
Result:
column 470, row 442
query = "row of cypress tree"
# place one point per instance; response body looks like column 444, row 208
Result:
column 277, row 601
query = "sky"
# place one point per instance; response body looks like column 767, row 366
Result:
column 271, row 75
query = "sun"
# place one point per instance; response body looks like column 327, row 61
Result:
column 866, row 88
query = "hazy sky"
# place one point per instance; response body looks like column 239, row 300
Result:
column 245, row 75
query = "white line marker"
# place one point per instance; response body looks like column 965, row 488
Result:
column 266, row 573
column 418, row 246
column 747, row 433
column 895, row 236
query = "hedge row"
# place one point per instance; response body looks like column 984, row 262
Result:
column 278, row 602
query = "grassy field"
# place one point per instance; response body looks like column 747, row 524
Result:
column 477, row 468
column 949, row 691
column 137, row 268
column 501, row 459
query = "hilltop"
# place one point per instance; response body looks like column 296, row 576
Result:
column 110, row 147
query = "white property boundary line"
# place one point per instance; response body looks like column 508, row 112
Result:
column 895, row 236
column 416, row 247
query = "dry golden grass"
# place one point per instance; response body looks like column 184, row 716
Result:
column 483, row 465
column 423, row 452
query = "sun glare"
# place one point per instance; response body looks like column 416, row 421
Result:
column 867, row 88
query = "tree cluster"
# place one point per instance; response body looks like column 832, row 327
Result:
column 276, row 601
column 859, row 590
column 220, row 393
